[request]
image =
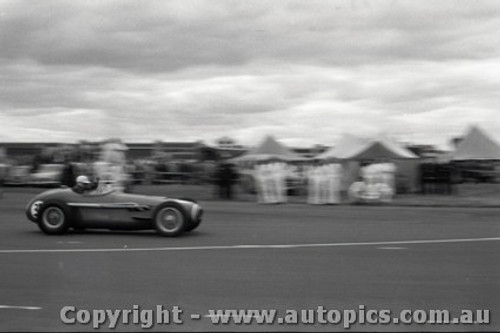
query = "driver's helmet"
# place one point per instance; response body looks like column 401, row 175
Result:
column 83, row 181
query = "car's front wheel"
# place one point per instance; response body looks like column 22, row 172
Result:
column 53, row 220
column 193, row 224
column 169, row 219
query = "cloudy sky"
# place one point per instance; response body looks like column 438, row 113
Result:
column 304, row 71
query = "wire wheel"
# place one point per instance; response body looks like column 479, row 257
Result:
column 169, row 221
column 53, row 220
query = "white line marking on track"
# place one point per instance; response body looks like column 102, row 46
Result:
column 392, row 248
column 18, row 307
column 260, row 246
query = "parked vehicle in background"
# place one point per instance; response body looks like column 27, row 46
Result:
column 47, row 175
column 4, row 168
column 17, row 175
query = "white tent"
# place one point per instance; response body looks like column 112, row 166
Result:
column 356, row 148
column 269, row 149
column 346, row 148
column 476, row 145
column 350, row 151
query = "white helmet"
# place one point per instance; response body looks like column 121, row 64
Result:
column 82, row 180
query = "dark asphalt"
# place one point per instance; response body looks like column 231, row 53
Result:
column 211, row 272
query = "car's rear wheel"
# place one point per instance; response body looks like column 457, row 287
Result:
column 53, row 220
column 169, row 219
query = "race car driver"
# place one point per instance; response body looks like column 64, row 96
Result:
column 83, row 185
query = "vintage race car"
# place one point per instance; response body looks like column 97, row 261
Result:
column 57, row 210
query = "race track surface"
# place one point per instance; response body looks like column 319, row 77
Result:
column 248, row 256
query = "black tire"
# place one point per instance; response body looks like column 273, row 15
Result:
column 53, row 220
column 169, row 219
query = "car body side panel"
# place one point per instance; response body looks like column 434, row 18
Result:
column 95, row 217
column 114, row 210
column 110, row 219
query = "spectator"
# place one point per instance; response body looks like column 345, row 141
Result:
column 68, row 174
column 226, row 176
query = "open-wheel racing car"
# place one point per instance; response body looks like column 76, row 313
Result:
column 57, row 210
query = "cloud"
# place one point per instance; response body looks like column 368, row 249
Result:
column 168, row 35
column 306, row 71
